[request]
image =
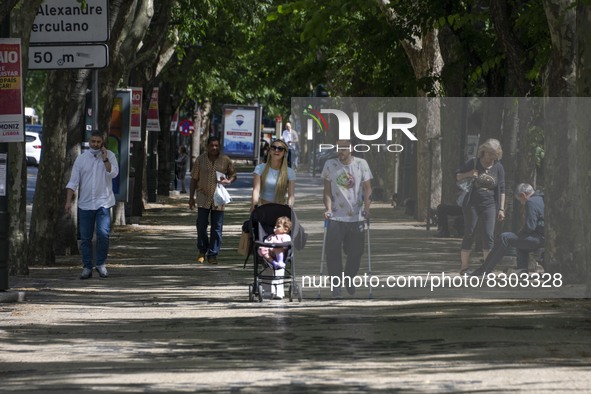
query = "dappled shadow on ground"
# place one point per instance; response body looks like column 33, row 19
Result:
column 163, row 323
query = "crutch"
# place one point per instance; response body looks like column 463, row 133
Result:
column 322, row 257
column 369, row 255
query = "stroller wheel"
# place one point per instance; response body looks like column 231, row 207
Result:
column 260, row 294
column 298, row 292
column 250, row 294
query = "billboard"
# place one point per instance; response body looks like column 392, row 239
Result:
column 241, row 131
column 118, row 141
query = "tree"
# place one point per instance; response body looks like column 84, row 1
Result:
column 63, row 131
column 20, row 24
column 566, row 159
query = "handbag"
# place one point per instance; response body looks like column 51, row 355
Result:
column 221, row 195
column 244, row 244
column 465, row 186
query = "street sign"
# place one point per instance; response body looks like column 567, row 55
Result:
column 60, row 21
column 68, row 57
column 186, row 127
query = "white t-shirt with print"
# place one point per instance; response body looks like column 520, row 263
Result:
column 346, row 181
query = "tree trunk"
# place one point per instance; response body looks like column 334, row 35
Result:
column 200, row 139
column 513, row 49
column 65, row 95
column 584, row 138
column 424, row 55
column 20, row 26
column 565, row 251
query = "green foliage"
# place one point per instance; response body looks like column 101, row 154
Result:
column 246, row 51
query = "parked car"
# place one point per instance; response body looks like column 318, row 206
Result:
column 33, row 147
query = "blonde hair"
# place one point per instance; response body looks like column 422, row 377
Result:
column 493, row 145
column 284, row 222
column 282, row 179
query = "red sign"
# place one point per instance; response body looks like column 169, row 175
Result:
column 153, row 122
column 135, row 131
column 186, row 127
column 11, row 91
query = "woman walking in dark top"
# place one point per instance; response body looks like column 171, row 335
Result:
column 487, row 198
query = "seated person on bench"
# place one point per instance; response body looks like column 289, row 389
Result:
column 445, row 210
column 529, row 238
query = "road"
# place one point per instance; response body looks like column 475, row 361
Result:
column 163, row 323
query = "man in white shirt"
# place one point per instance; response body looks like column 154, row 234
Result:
column 92, row 175
column 290, row 137
column 347, row 198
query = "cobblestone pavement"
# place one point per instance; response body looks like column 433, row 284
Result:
column 161, row 322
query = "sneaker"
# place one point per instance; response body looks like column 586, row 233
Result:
column 201, row 258
column 278, row 265
column 86, row 273
column 212, row 260
column 102, row 271
column 276, row 297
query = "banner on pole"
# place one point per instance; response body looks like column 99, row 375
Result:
column 135, row 131
column 11, row 91
column 118, row 141
column 153, row 122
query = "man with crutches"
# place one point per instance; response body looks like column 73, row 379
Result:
column 347, row 198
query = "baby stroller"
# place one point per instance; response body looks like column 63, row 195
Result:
column 262, row 223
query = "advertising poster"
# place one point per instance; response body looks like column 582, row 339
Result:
column 135, row 132
column 241, row 129
column 11, row 99
column 153, row 122
column 118, row 141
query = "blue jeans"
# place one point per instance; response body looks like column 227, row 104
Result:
column 209, row 246
column 88, row 221
column 524, row 245
column 487, row 214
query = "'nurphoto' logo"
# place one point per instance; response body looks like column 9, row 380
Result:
column 394, row 121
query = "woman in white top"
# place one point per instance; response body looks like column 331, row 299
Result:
column 274, row 181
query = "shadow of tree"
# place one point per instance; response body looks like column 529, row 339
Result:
column 164, row 323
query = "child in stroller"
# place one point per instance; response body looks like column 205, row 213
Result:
column 267, row 278
column 274, row 256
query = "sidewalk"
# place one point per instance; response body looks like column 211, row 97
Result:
column 161, row 322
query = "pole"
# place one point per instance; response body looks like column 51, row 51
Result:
column 430, row 184
column 95, row 100
column 4, row 217
column 4, row 33
column 152, row 171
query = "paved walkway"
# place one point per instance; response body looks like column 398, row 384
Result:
column 163, row 323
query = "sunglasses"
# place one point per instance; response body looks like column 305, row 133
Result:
column 277, row 148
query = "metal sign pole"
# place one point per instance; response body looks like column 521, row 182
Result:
column 95, row 99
